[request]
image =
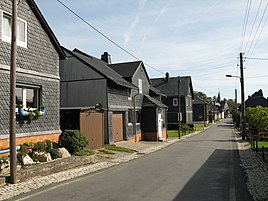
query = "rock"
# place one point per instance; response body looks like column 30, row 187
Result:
column 64, row 153
column 27, row 160
column 42, row 157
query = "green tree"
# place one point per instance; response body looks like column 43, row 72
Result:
column 201, row 95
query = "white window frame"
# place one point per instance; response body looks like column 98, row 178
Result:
column 140, row 85
column 8, row 38
column 175, row 102
column 36, row 89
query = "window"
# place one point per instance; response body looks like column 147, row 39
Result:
column 175, row 101
column 138, row 117
column 130, row 116
column 129, row 94
column 29, row 97
column 21, row 30
column 140, row 86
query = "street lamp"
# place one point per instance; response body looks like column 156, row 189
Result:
column 243, row 108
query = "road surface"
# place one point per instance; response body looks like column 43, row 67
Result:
column 203, row 167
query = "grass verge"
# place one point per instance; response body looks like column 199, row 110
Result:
column 115, row 148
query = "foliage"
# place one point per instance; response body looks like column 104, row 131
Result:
column 73, row 140
column 231, row 105
column 257, row 118
column 39, row 147
column 104, row 151
column 24, row 150
column 49, row 145
column 54, row 153
column 84, row 152
column 236, row 119
column 30, row 145
column 185, row 127
column 121, row 149
column 201, row 95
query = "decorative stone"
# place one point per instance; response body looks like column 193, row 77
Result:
column 64, row 153
column 42, row 157
column 27, row 160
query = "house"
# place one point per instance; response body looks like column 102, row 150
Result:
column 37, row 81
column 200, row 110
column 150, row 111
column 256, row 99
column 170, row 87
column 95, row 99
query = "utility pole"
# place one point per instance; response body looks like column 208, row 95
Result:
column 12, row 119
column 243, row 125
column 179, row 104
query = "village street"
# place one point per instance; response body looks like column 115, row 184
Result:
column 203, row 167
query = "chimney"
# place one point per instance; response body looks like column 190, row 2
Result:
column 106, row 57
column 167, row 76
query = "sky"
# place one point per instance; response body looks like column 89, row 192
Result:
column 197, row 38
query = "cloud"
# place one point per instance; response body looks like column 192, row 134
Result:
column 128, row 34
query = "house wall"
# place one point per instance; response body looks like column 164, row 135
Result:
column 38, row 64
column 80, row 85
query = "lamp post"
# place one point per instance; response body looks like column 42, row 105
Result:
column 243, row 108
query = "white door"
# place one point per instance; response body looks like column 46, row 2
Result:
column 159, row 130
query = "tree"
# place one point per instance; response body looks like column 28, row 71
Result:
column 201, row 95
column 231, row 105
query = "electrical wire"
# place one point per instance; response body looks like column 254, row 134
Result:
column 106, row 37
column 253, row 25
column 245, row 24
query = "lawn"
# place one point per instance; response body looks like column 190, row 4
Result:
column 174, row 133
column 263, row 143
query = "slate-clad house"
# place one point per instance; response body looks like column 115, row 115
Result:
column 150, row 111
column 256, row 99
column 200, row 110
column 169, row 87
column 38, row 55
column 95, row 99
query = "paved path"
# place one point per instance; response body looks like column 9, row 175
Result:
column 204, row 167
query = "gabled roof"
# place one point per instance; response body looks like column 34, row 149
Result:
column 170, row 86
column 199, row 101
column 256, row 99
column 100, row 67
column 156, row 91
column 148, row 101
column 128, row 69
column 46, row 27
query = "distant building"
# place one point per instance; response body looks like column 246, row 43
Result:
column 256, row 99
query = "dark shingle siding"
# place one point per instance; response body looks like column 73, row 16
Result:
column 40, row 54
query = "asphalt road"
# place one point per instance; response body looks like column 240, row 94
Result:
column 203, row 167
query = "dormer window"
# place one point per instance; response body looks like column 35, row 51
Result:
column 21, row 30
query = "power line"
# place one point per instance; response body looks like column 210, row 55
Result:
column 245, row 24
column 264, row 11
column 253, row 24
column 106, row 37
column 255, row 58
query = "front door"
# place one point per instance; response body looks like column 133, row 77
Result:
column 118, row 131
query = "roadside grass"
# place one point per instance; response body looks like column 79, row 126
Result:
column 84, row 152
column 105, row 151
column 263, row 143
column 174, row 133
column 115, row 148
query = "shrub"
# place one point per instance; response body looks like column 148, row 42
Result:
column 24, row 150
column 55, row 153
column 39, row 146
column 49, row 145
column 73, row 140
